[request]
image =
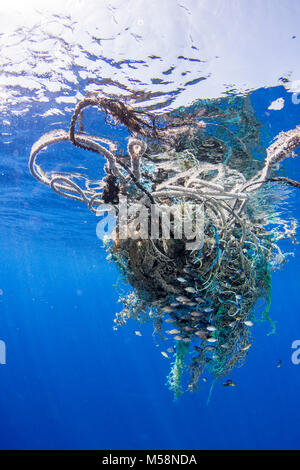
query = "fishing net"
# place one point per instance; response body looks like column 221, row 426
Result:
column 197, row 221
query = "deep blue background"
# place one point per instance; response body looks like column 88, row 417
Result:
column 72, row 382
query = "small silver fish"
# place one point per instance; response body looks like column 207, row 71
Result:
column 245, row 348
column 248, row 323
column 201, row 334
column 211, row 328
column 169, row 320
column 167, row 309
column 212, row 340
column 165, row 354
column 174, row 304
column 181, row 279
column 229, row 383
column 199, row 300
column 182, row 299
column 172, row 332
column 191, row 304
column 208, row 310
column 138, row 333
column 188, row 329
column 196, row 314
column 186, row 340
column 171, row 350
column 191, row 290
column 178, row 338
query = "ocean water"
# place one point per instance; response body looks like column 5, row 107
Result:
column 68, row 380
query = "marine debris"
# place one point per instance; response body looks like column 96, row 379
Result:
column 198, row 167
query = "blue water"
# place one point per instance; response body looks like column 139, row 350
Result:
column 70, row 381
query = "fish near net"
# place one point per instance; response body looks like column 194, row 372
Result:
column 193, row 204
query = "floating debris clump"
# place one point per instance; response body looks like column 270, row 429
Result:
column 193, row 203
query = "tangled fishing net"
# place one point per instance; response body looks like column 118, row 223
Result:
column 198, row 167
